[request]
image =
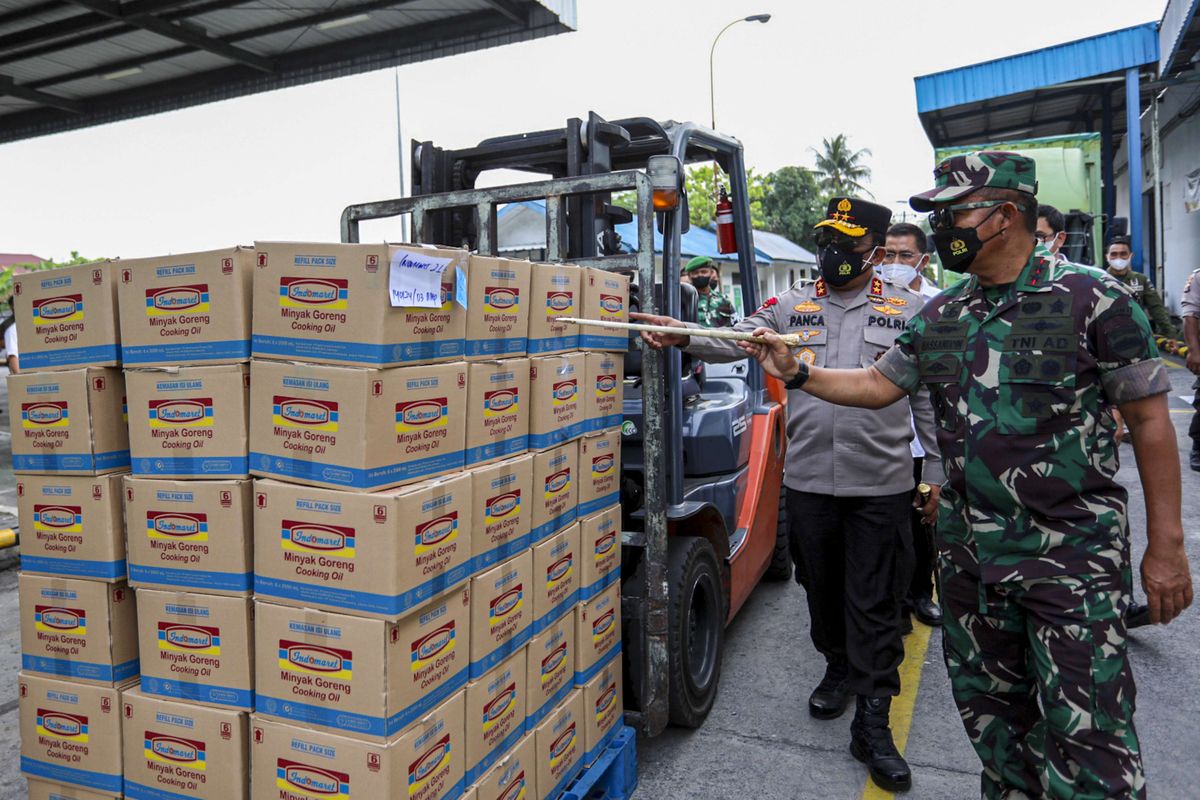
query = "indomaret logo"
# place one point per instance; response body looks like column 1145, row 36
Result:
column 564, row 392
column 57, row 519
column 45, row 414
column 417, row 415
column 329, row 662
column 501, row 298
column 421, row 771
column 62, row 725
column 58, row 619
column 560, row 571
column 308, row 537
column 494, row 711
column 179, row 637
column 501, row 506
column 500, row 401
column 562, row 749
column 504, row 606
column 167, row 749
column 326, row 293
column 558, row 483
column 310, row 781
column 559, row 302
column 603, row 464
column 52, row 310
column 433, row 645
column 436, row 532
column 302, row 412
column 191, row 412
column 176, row 299
column 611, row 304
column 553, row 663
column 172, row 525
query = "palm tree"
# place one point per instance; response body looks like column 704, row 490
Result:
column 841, row 170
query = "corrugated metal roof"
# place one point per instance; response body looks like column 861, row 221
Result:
column 68, row 64
column 1178, row 34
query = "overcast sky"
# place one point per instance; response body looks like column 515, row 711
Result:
column 283, row 165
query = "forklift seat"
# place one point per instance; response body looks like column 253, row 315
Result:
column 689, row 307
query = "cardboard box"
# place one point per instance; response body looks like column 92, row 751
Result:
column 503, row 510
column 294, row 763
column 330, row 304
column 501, row 612
column 72, row 526
column 555, row 490
column 560, row 747
column 68, row 423
column 495, row 714
column 376, row 554
column 67, row 317
column 186, row 309
column 604, row 392
column 556, row 409
column 71, row 733
column 513, row 776
column 600, row 543
column 189, row 423
column 551, row 668
column 78, row 630
column 556, row 577
column 497, row 410
column 197, row 647
column 599, row 471
column 190, row 535
column 47, row 790
column 604, row 709
column 357, row 429
column 497, row 307
column 364, row 677
column 597, row 633
column 606, row 297
column 554, row 291
column 175, row 750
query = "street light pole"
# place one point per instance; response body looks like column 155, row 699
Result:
column 711, row 51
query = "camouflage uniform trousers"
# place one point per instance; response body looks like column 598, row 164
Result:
column 1016, row 649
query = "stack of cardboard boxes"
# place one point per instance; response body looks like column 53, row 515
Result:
column 432, row 537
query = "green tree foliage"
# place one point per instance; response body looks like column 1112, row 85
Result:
column 699, row 184
column 6, row 276
column 793, row 205
column 842, row 170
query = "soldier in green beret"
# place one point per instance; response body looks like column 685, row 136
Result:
column 715, row 310
column 1023, row 358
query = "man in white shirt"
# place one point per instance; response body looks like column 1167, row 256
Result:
column 10, row 342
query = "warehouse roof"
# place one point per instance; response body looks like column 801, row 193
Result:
column 67, row 64
column 1053, row 91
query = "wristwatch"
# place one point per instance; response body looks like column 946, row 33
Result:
column 799, row 378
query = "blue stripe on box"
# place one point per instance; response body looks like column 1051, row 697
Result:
column 598, row 504
column 205, row 467
column 502, row 651
column 498, row 554
column 361, row 723
column 588, row 592
column 596, row 341
column 501, row 449
column 604, row 742
column 602, row 423
column 555, row 525
column 278, row 466
column 227, row 350
column 558, row 790
column 535, row 719
column 191, row 578
column 70, row 356
column 497, row 347
column 101, row 781
column 139, row 791
column 476, row 772
column 63, row 668
column 583, row 677
column 74, row 567
column 552, row 344
column 556, row 613
column 183, row 690
column 83, row 463
column 371, row 602
column 377, row 354
column 541, row 441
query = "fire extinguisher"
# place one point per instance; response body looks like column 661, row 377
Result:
column 726, row 239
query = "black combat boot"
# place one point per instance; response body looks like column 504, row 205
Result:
column 1194, row 459
column 871, row 743
column 829, row 699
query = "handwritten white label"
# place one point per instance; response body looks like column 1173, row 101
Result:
column 415, row 280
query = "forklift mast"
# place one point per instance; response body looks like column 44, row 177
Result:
column 586, row 163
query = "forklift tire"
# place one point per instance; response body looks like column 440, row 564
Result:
column 780, row 568
column 696, row 629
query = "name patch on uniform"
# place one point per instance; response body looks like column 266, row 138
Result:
column 806, row 320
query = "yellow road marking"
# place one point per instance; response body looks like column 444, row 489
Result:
column 915, row 645
column 1182, row 410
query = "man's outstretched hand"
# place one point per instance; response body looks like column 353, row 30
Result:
column 775, row 356
column 660, row 340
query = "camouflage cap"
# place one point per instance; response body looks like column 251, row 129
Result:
column 957, row 176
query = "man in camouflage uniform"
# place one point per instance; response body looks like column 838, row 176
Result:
column 1189, row 309
column 1118, row 257
column 848, row 474
column 714, row 310
column 1021, row 359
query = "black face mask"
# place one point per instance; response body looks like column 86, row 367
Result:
column 838, row 266
column 957, row 247
column 702, row 282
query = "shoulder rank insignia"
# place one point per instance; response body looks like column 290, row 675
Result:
column 820, row 290
column 876, row 293
column 770, row 301
column 888, row 310
column 899, row 302
column 807, row 307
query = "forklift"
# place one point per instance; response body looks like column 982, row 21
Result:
column 702, row 451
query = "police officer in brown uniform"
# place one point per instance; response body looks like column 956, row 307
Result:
column 848, row 474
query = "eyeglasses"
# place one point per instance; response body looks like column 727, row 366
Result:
column 1045, row 237
column 902, row 255
column 943, row 218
